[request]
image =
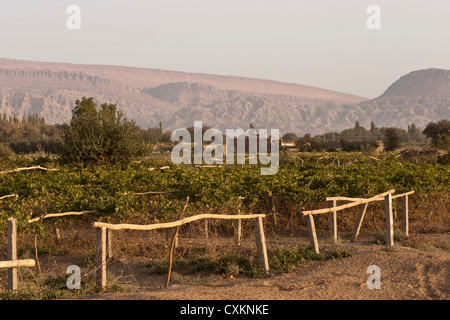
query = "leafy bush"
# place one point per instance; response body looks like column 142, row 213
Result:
column 285, row 260
column 380, row 236
column 5, row 152
column 100, row 135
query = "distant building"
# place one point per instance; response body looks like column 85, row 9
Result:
column 287, row 145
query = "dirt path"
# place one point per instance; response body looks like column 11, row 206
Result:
column 421, row 273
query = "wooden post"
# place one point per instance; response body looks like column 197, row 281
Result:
column 206, row 229
column 312, row 232
column 261, row 243
column 12, row 253
column 101, row 257
column 58, row 235
column 274, row 212
column 17, row 263
column 109, row 251
column 174, row 241
column 405, row 215
column 238, row 232
column 358, row 225
column 36, row 253
column 389, row 220
column 333, row 221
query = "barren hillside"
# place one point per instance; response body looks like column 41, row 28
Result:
column 178, row 99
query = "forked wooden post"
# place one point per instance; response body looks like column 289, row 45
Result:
column 261, row 244
column 405, row 215
column 389, row 220
column 333, row 220
column 101, row 257
column 358, row 225
column 312, row 232
column 12, row 253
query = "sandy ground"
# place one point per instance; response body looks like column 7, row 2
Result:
column 419, row 269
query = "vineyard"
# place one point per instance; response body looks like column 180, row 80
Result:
column 153, row 191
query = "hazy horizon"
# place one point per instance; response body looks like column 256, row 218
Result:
column 324, row 44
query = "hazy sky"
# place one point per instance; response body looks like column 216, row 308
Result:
column 321, row 43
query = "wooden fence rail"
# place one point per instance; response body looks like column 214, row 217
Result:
column 27, row 169
column 174, row 223
column 104, row 246
column 364, row 202
column 349, row 205
column 13, row 263
column 62, row 214
column 9, row 196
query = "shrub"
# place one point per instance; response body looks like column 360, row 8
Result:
column 100, row 135
column 5, row 151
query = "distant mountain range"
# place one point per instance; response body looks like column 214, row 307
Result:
column 178, row 99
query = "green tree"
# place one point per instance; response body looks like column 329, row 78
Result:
column 100, row 135
column 308, row 144
column 439, row 133
column 392, row 139
column 290, row 137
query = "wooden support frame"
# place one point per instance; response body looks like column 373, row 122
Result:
column 387, row 197
column 13, row 263
column 349, row 205
column 103, row 243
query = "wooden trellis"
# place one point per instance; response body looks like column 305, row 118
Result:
column 364, row 202
column 103, row 246
column 13, row 263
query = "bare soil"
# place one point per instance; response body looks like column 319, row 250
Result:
column 417, row 268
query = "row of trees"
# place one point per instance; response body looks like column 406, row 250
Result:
column 361, row 139
column 102, row 134
column 28, row 134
